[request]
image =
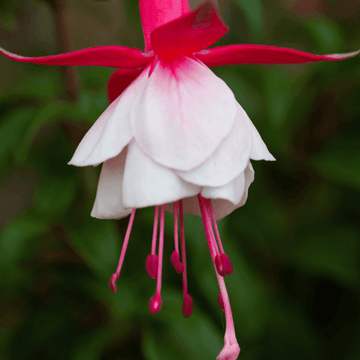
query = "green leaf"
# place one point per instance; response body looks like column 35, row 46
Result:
column 97, row 242
column 12, row 128
column 178, row 338
column 326, row 33
column 331, row 252
column 55, row 195
column 90, row 346
column 254, row 14
column 48, row 114
column 17, row 235
column 339, row 162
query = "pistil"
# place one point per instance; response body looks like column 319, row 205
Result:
column 231, row 347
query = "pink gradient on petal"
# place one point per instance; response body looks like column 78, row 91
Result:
column 109, row 56
column 183, row 114
column 262, row 54
column 192, row 32
column 155, row 13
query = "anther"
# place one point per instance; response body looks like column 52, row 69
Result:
column 188, row 305
column 223, row 265
column 155, row 303
column 227, row 264
column 220, row 266
column 112, row 283
column 152, row 262
column 175, row 261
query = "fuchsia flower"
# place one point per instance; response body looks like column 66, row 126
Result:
column 174, row 136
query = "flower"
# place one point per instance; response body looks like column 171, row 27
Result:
column 174, row 136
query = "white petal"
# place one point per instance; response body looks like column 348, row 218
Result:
column 92, row 136
column 259, row 151
column 225, row 199
column 224, row 206
column 112, row 131
column 228, row 160
column 147, row 183
column 109, row 203
column 183, row 114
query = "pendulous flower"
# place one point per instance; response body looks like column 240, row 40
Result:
column 174, row 136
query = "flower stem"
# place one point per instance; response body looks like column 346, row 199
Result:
column 70, row 72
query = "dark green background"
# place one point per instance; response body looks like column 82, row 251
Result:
column 295, row 290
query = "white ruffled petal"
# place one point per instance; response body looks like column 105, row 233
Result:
column 109, row 203
column 225, row 199
column 183, row 114
column 112, row 131
column 229, row 159
column 147, row 183
column 259, row 151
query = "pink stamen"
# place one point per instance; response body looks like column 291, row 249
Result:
column 223, row 264
column 115, row 276
column 151, row 265
column 188, row 303
column 221, row 302
column 156, row 301
column 175, row 256
column 152, row 259
column 231, row 349
column 220, row 265
column 219, row 262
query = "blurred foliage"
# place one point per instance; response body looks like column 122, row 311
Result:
column 295, row 290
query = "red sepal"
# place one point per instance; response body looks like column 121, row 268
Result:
column 192, row 32
column 262, row 54
column 109, row 56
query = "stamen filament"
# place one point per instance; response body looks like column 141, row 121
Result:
column 188, row 303
column 223, row 262
column 211, row 210
column 175, row 256
column 115, row 276
column 152, row 259
column 156, row 301
column 161, row 249
column 155, row 228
